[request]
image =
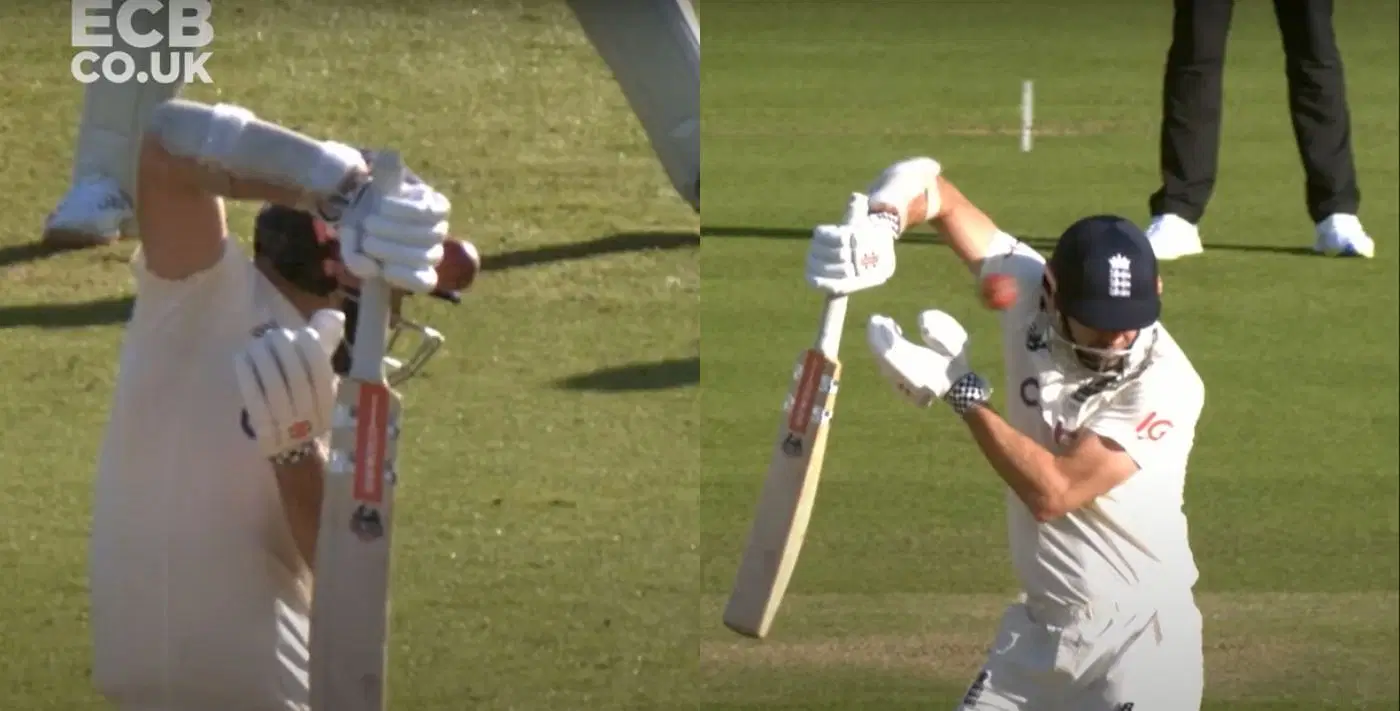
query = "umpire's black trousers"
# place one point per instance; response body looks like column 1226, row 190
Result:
column 1191, row 103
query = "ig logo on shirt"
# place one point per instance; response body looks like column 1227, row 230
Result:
column 1153, row 427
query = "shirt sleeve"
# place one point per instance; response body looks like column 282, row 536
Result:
column 1154, row 422
column 1012, row 257
column 159, row 299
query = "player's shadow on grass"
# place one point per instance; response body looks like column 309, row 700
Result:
column 1044, row 244
column 23, row 253
column 99, row 312
column 656, row 375
column 611, row 244
column 104, row 312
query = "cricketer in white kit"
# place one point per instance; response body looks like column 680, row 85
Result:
column 208, row 489
column 1101, row 410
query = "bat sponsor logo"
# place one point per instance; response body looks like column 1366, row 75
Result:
column 367, row 524
column 808, row 383
column 371, row 435
column 792, row 445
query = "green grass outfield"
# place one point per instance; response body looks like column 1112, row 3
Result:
column 547, row 548
column 1292, row 493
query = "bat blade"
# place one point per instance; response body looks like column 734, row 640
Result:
column 790, row 487
column 350, row 604
column 350, row 611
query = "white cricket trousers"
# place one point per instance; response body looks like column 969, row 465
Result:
column 1108, row 657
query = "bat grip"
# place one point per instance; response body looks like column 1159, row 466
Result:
column 372, row 325
column 832, row 323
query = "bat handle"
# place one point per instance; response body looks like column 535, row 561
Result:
column 372, row 326
column 832, row 323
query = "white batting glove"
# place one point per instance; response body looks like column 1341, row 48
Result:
column 857, row 208
column 853, row 256
column 288, row 385
column 923, row 374
column 398, row 237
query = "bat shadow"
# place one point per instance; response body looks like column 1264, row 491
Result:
column 99, row 312
column 1040, row 242
column 601, row 246
column 655, row 375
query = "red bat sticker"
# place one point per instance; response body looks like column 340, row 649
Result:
column 801, row 415
column 371, row 437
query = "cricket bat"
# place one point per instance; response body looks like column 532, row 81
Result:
column 785, row 505
column 350, row 603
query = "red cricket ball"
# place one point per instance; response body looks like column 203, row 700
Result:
column 460, row 264
column 999, row 292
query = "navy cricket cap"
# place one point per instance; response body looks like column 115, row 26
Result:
column 1106, row 275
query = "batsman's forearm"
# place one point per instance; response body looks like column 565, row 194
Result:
column 229, row 152
column 916, row 191
column 173, row 170
column 967, row 230
column 301, row 486
column 1028, row 468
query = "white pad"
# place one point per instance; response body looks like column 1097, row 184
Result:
column 114, row 115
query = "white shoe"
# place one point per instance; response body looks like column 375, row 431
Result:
column 94, row 212
column 1173, row 237
column 1342, row 235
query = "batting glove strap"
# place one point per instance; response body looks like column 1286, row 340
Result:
column 969, row 391
column 332, row 208
column 296, row 455
column 890, row 220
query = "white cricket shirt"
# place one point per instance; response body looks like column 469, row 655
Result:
column 196, row 595
column 1132, row 542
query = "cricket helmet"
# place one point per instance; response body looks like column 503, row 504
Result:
column 298, row 245
column 1103, row 274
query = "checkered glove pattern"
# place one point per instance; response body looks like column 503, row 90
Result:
column 967, row 392
column 296, row 455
